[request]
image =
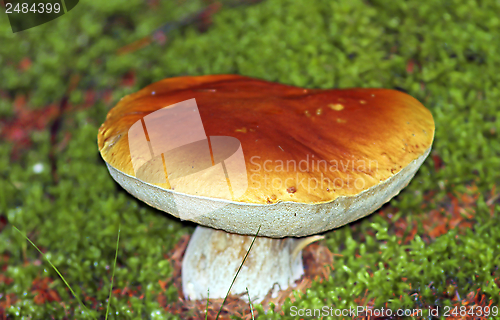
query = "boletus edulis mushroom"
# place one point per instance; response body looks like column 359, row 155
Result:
column 238, row 155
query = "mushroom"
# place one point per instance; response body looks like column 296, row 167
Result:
column 239, row 155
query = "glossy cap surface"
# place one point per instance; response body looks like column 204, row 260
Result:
column 328, row 156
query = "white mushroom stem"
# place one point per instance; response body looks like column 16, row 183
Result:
column 213, row 257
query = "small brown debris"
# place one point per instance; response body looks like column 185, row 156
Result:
column 291, row 190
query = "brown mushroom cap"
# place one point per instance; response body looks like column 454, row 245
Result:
column 315, row 159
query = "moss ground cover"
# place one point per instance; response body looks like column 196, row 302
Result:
column 437, row 244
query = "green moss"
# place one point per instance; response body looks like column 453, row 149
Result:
column 454, row 46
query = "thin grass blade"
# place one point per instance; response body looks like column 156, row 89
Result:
column 237, row 272
column 60, row 275
column 113, row 275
